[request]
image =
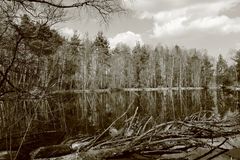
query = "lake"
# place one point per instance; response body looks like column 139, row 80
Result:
column 90, row 113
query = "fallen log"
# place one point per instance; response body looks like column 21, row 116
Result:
column 188, row 139
column 182, row 136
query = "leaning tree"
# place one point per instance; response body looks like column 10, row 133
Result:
column 23, row 24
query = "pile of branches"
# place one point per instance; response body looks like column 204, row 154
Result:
column 147, row 140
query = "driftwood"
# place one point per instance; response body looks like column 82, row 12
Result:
column 21, row 145
column 200, row 136
column 170, row 138
column 51, row 151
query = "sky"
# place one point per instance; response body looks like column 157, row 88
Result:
column 203, row 24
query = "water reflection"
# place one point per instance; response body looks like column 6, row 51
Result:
column 92, row 112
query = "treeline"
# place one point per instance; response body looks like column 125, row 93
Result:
column 35, row 58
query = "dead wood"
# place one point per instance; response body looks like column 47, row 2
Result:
column 175, row 137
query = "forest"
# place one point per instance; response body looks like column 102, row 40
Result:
column 54, row 87
column 50, row 62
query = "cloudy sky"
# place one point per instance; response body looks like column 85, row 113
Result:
column 204, row 24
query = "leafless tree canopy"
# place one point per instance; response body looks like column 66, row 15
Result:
column 105, row 8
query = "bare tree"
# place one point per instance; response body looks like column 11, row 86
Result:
column 43, row 13
column 104, row 8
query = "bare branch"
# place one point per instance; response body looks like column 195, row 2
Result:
column 104, row 8
column 14, row 52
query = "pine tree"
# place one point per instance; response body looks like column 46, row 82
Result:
column 222, row 72
column 72, row 59
column 206, row 71
column 140, row 57
column 101, row 49
column 40, row 39
column 158, row 68
column 237, row 66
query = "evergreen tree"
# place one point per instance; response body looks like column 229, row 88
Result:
column 140, row 57
column 121, row 66
column 158, row 68
column 206, row 71
column 237, row 66
column 72, row 58
column 222, row 72
column 101, row 49
column 30, row 59
column 194, row 69
column 89, row 66
column 40, row 39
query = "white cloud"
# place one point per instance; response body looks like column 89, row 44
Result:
column 67, row 32
column 139, row 4
column 166, row 16
column 232, row 26
column 200, row 17
column 218, row 24
column 155, row 6
column 238, row 45
column 209, row 22
column 173, row 27
column 128, row 38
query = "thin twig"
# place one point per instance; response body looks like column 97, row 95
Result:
column 145, row 125
column 133, row 117
column 98, row 137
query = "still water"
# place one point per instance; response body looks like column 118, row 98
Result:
column 92, row 112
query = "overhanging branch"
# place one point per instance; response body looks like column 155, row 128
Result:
column 105, row 8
